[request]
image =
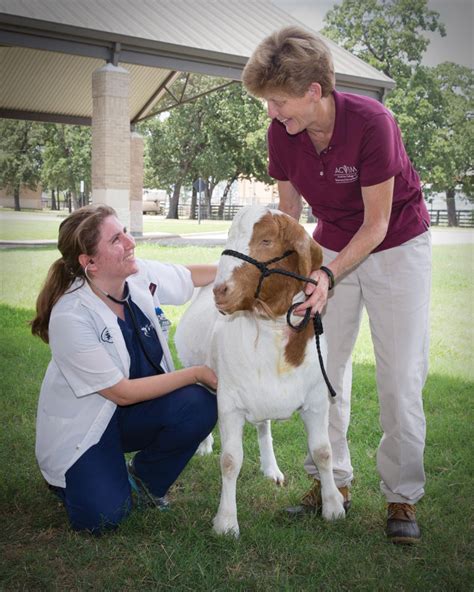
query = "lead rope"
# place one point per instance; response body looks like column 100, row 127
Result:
column 317, row 322
column 318, row 330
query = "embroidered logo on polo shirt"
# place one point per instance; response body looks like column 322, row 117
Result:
column 106, row 336
column 346, row 174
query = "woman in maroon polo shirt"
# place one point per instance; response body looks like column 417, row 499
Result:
column 343, row 153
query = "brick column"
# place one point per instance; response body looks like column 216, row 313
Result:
column 111, row 139
column 136, row 184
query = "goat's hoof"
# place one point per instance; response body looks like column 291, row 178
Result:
column 205, row 447
column 204, row 450
column 271, row 471
column 275, row 475
column 226, row 527
column 333, row 510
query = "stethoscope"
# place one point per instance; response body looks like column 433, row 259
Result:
column 126, row 302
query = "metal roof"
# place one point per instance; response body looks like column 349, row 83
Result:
column 49, row 49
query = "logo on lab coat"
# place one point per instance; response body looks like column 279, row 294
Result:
column 106, row 336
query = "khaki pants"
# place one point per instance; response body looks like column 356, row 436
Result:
column 394, row 286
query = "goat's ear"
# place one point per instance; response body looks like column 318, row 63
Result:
column 310, row 255
column 316, row 255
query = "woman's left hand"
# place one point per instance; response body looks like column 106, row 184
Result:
column 316, row 296
column 202, row 275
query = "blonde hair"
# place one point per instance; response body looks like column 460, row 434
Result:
column 79, row 234
column 288, row 61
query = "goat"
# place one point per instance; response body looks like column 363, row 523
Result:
column 266, row 370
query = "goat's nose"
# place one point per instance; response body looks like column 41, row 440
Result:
column 220, row 291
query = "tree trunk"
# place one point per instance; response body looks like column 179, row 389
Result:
column 451, row 206
column 75, row 202
column 193, row 207
column 53, row 200
column 207, row 201
column 174, row 202
column 223, row 200
column 16, row 198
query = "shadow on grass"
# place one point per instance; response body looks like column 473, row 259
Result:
column 178, row 550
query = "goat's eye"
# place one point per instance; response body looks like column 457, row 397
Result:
column 266, row 242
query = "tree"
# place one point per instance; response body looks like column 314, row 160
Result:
column 450, row 157
column 236, row 132
column 433, row 112
column 388, row 34
column 430, row 104
column 218, row 137
column 67, row 159
column 420, row 111
column 172, row 145
column 20, row 156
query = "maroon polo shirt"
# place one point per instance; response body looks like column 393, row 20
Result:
column 366, row 148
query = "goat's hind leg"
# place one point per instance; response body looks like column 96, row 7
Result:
column 268, row 463
column 230, row 427
column 316, row 424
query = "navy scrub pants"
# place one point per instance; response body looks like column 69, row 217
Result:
column 166, row 433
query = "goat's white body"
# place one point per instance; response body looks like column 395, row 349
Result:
column 257, row 384
column 249, row 358
column 202, row 338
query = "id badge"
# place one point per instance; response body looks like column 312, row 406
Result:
column 165, row 323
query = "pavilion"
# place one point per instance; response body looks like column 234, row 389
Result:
column 113, row 63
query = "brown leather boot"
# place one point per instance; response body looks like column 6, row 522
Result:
column 402, row 528
column 312, row 503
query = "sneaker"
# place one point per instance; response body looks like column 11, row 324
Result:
column 312, row 503
column 401, row 524
column 143, row 495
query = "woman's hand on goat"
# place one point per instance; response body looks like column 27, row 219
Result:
column 316, row 296
column 206, row 376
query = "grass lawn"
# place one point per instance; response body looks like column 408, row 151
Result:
column 21, row 226
column 177, row 550
column 24, row 229
column 158, row 224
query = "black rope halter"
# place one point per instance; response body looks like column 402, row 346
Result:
column 262, row 266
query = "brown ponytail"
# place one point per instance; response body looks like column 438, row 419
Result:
column 79, row 234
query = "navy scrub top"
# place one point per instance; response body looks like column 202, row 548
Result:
column 140, row 367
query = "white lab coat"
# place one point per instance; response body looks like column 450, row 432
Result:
column 88, row 355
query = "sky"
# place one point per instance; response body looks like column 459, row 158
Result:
column 457, row 15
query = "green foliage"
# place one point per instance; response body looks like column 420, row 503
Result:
column 420, row 111
column 236, row 125
column 451, row 154
column 433, row 111
column 219, row 137
column 20, row 155
column 433, row 106
column 58, row 156
column 387, row 34
column 67, row 158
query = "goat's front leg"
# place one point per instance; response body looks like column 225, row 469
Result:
column 268, row 463
column 316, row 424
column 230, row 427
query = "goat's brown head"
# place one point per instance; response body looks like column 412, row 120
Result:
column 264, row 234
